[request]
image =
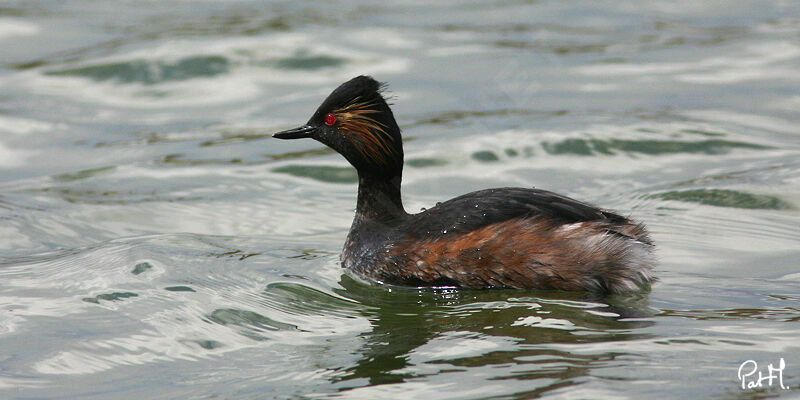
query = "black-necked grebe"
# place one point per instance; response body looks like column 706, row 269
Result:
column 495, row 238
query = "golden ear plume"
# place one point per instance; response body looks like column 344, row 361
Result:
column 365, row 133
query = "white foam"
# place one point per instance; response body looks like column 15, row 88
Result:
column 598, row 87
column 23, row 126
column 12, row 27
column 552, row 323
column 449, row 51
column 11, row 157
column 384, row 37
column 754, row 62
column 745, row 119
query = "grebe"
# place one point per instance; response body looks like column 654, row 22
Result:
column 494, row 238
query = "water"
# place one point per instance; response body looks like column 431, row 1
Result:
column 156, row 243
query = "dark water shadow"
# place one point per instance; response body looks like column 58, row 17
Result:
column 726, row 198
column 150, row 73
column 403, row 320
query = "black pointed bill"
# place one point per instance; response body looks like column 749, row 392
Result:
column 295, row 133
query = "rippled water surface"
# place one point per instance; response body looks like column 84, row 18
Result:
column 156, row 243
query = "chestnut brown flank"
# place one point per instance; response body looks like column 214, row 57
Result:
column 521, row 253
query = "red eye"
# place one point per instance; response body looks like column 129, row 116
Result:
column 330, row 119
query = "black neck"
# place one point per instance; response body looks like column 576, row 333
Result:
column 379, row 198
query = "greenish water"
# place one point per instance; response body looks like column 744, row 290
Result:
column 155, row 242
